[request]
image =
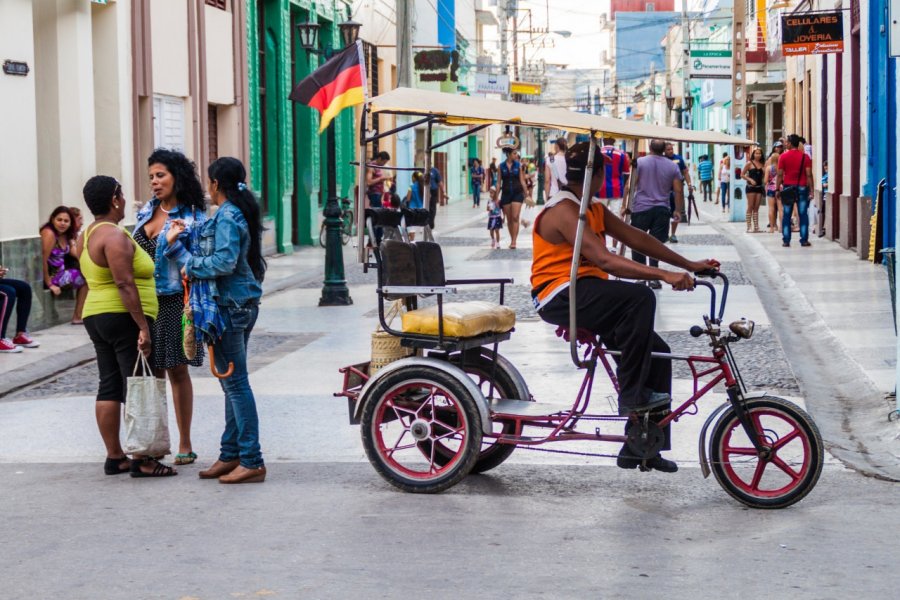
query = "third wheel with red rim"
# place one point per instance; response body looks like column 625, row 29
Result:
column 789, row 464
column 411, row 412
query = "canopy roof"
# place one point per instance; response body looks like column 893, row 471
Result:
column 454, row 109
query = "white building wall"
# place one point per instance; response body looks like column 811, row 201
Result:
column 219, row 56
column 169, row 41
column 18, row 144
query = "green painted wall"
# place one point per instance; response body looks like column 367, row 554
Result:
column 293, row 158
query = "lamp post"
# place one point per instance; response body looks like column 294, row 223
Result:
column 334, row 289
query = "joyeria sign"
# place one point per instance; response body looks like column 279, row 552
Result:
column 812, row 33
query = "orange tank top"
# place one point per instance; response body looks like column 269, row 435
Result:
column 552, row 263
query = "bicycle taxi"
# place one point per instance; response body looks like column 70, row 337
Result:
column 451, row 404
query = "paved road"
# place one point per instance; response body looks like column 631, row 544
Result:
column 325, row 526
column 525, row 531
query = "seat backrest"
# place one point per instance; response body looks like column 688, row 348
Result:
column 429, row 264
column 396, row 264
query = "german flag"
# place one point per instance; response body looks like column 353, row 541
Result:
column 339, row 83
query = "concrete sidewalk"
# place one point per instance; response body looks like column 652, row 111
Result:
column 66, row 346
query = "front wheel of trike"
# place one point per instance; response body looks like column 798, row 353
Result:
column 788, row 468
column 411, row 412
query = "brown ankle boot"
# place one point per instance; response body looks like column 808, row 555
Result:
column 244, row 475
column 219, row 468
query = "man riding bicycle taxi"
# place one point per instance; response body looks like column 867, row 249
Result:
column 620, row 312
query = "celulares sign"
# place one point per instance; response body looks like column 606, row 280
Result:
column 812, row 33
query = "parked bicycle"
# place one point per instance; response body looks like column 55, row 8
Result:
column 347, row 223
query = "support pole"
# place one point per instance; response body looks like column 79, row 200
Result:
column 576, row 253
column 334, row 290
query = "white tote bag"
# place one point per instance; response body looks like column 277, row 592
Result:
column 146, row 413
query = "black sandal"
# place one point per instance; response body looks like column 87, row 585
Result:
column 160, row 470
column 113, row 466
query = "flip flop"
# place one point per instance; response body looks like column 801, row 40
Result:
column 185, row 458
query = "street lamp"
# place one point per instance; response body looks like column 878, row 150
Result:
column 334, row 289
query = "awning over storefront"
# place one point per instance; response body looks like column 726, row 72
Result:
column 454, row 109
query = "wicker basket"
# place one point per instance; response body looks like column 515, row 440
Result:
column 386, row 348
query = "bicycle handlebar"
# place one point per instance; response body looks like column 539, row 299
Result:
column 712, row 274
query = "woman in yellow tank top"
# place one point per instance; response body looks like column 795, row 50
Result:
column 120, row 306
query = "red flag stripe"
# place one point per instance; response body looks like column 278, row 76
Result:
column 349, row 78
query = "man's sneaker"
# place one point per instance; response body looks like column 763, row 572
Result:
column 6, row 346
column 673, row 240
column 654, row 285
column 24, row 340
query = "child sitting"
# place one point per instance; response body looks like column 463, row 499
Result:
column 495, row 218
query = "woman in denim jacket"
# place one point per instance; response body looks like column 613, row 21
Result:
column 177, row 196
column 230, row 258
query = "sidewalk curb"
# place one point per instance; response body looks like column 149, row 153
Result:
column 850, row 411
column 46, row 368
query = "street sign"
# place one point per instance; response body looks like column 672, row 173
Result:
column 814, row 33
column 508, row 141
column 488, row 83
column 525, row 88
column 710, row 64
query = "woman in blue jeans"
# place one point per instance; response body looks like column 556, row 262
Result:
column 230, row 262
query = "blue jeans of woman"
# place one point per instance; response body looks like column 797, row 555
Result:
column 788, row 208
column 723, row 186
column 476, row 193
column 240, row 439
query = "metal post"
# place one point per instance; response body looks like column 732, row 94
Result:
column 542, row 164
column 576, row 253
column 334, row 290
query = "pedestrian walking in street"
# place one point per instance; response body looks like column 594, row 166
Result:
column 436, row 194
column 15, row 295
column 705, row 174
column 657, row 178
column 177, row 195
column 512, row 193
column 725, row 181
column 119, row 311
column 753, row 174
column 495, row 219
column 414, row 193
column 61, row 270
column 622, row 313
column 230, row 257
column 820, row 214
column 476, row 181
column 555, row 168
column 686, row 177
column 375, row 180
column 773, row 196
column 494, row 172
column 793, row 179
column 617, row 169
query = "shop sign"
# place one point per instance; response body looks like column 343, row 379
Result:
column 812, row 33
column 710, row 64
column 525, row 88
column 488, row 83
column 15, row 67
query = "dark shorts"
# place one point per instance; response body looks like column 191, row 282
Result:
column 115, row 340
column 509, row 198
column 755, row 189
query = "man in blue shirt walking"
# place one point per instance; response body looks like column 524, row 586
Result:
column 705, row 172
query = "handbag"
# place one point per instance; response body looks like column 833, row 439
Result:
column 146, row 414
column 791, row 193
column 188, row 331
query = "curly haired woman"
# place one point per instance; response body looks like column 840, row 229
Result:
column 177, row 195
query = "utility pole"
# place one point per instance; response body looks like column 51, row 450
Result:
column 406, row 151
column 503, row 11
column 738, row 100
column 685, row 75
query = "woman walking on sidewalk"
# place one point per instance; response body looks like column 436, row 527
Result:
column 118, row 315
column 177, row 194
column 512, row 193
column 725, row 180
column 773, row 198
column 230, row 261
column 753, row 175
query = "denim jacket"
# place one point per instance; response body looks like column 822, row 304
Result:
column 167, row 273
column 224, row 244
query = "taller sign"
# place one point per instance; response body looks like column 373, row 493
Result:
column 812, row 33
